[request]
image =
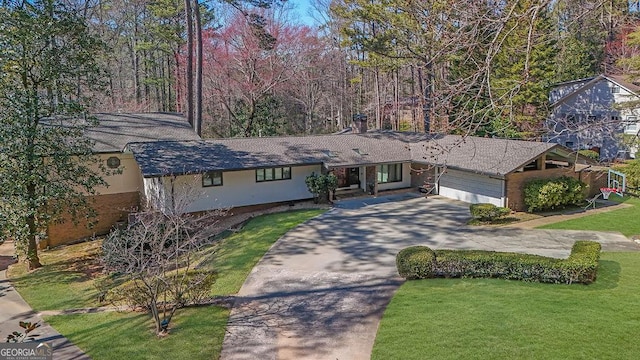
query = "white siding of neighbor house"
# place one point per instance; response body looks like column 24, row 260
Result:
column 472, row 188
column 239, row 188
column 127, row 180
column 596, row 100
column 406, row 179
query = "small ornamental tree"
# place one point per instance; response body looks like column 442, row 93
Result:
column 154, row 256
column 321, row 185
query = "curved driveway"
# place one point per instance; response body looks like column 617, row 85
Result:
column 320, row 291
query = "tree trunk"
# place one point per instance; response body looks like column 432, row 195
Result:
column 33, row 261
column 198, row 101
column 189, row 66
column 178, row 85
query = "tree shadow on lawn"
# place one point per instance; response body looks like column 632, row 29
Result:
column 131, row 335
column 58, row 289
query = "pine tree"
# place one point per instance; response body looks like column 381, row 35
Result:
column 523, row 71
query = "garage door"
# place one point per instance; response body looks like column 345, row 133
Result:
column 471, row 188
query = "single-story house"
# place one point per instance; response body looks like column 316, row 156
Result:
column 255, row 171
column 157, row 153
column 595, row 113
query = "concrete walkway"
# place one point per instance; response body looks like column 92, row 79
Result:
column 320, row 291
column 14, row 309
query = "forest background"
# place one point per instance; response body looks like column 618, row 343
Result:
column 258, row 68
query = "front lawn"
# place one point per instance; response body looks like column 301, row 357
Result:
column 625, row 220
column 67, row 281
column 501, row 319
column 196, row 333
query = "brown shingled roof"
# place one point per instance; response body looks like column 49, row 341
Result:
column 482, row 155
column 114, row 131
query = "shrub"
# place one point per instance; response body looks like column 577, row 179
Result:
column 545, row 194
column 185, row 288
column 321, row 185
column 580, row 267
column 631, row 170
column 590, row 154
column 416, row 262
column 488, row 212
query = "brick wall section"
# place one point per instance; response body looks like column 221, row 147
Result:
column 517, row 181
column 109, row 208
column 372, row 178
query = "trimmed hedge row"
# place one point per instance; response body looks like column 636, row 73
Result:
column 420, row 262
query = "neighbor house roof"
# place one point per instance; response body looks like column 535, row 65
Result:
column 482, row 155
column 115, row 131
column 620, row 80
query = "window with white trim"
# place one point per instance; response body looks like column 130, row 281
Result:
column 212, row 178
column 389, row 173
column 273, row 174
column 615, row 89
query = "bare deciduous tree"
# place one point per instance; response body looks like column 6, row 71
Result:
column 156, row 255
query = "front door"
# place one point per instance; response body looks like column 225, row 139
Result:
column 353, row 176
column 347, row 177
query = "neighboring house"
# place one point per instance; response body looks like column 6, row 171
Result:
column 594, row 113
column 115, row 202
column 257, row 171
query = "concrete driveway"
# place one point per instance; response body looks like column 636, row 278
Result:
column 320, row 291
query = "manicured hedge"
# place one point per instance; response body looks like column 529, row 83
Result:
column 580, row 267
column 488, row 212
column 416, row 262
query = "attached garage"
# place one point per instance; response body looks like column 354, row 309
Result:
column 471, row 187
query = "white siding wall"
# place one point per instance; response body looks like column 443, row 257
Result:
column 472, row 188
column 241, row 189
column 406, row 179
column 596, row 100
column 128, row 180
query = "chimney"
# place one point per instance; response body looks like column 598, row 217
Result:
column 360, row 123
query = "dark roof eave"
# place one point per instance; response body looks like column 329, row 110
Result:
column 202, row 171
column 370, row 163
column 487, row 173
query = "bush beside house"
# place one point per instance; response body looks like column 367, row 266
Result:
column 420, row 262
column 321, row 185
column 488, row 212
column 548, row 194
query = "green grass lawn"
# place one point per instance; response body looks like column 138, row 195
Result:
column 66, row 281
column 234, row 258
column 626, row 221
column 500, row 319
column 196, row 333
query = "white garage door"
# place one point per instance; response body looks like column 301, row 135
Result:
column 471, row 188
